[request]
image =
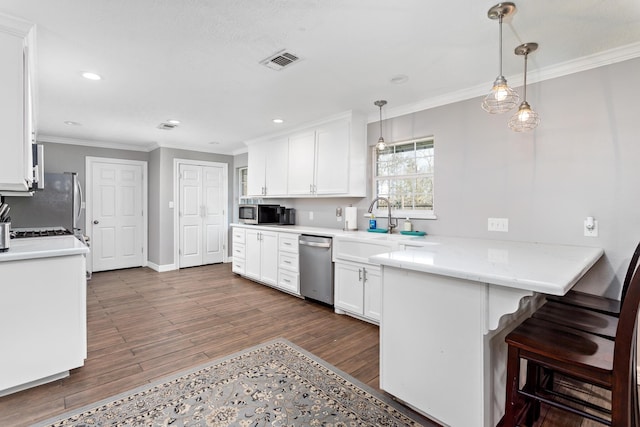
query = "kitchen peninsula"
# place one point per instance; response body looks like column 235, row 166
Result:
column 448, row 303
column 42, row 310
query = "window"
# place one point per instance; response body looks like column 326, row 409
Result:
column 403, row 173
column 242, row 182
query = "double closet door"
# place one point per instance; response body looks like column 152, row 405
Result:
column 201, row 215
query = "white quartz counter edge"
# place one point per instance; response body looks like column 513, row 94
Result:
column 43, row 247
column 550, row 269
column 300, row 229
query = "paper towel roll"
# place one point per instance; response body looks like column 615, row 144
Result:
column 351, row 218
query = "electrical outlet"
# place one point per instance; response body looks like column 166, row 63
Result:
column 591, row 227
column 498, row 224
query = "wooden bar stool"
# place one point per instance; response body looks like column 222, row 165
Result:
column 581, row 356
column 596, row 302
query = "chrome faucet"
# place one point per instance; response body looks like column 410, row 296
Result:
column 391, row 225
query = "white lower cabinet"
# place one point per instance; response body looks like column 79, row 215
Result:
column 43, row 310
column 358, row 290
column 261, row 256
column 239, row 256
column 288, row 264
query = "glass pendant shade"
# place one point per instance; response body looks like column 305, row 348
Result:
column 381, row 145
column 525, row 119
column 501, row 98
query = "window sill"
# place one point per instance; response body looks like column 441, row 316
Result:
column 397, row 213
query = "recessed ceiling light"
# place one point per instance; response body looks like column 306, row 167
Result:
column 173, row 121
column 278, row 121
column 72, row 123
column 214, row 143
column 399, row 79
column 91, row 76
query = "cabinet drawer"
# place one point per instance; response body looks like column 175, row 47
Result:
column 238, row 251
column 238, row 235
column 289, row 281
column 288, row 242
column 288, row 261
column 238, row 266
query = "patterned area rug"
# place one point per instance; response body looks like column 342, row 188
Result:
column 274, row 384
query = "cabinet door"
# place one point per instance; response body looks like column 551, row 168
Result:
column 372, row 293
column 349, row 287
column 276, row 158
column 269, row 257
column 256, row 171
column 301, row 163
column 332, row 158
column 14, row 167
column 252, row 254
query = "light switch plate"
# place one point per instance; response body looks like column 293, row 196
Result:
column 498, row 224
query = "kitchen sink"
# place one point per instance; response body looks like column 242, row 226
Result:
column 360, row 246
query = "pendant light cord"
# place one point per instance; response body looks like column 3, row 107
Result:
column 500, row 44
column 524, row 91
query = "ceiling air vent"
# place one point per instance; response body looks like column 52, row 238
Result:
column 167, row 126
column 279, row 60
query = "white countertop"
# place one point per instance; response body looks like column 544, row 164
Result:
column 302, row 229
column 538, row 267
column 43, row 247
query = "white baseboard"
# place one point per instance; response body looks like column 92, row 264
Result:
column 161, row 268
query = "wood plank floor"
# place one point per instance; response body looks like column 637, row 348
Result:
column 144, row 325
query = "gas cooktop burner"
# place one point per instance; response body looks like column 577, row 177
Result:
column 20, row 233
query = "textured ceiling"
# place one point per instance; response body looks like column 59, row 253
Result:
column 198, row 60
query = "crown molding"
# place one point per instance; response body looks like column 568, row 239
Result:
column 133, row 147
column 613, row 56
column 96, row 143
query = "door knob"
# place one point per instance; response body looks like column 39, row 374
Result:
column 95, row 221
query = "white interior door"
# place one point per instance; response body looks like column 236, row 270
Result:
column 190, row 215
column 116, row 215
column 213, row 214
column 201, row 216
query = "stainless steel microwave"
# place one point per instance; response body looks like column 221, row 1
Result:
column 258, row 214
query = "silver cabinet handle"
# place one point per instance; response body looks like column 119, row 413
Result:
column 364, row 274
column 359, row 275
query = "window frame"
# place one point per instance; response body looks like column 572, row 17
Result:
column 240, row 182
column 402, row 213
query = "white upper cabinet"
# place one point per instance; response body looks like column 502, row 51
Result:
column 267, row 168
column 17, row 85
column 325, row 159
column 332, row 158
column 302, row 148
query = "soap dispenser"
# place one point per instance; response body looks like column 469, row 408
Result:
column 407, row 225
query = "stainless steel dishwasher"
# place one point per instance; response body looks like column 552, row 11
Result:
column 316, row 268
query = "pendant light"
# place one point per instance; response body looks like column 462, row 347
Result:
column 501, row 98
column 525, row 119
column 381, row 145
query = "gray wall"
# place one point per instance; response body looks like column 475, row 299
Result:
column 161, row 227
column 581, row 161
column 71, row 158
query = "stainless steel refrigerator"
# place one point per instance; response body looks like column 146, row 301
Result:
column 59, row 204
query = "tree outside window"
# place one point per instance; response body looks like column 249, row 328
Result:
column 403, row 173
